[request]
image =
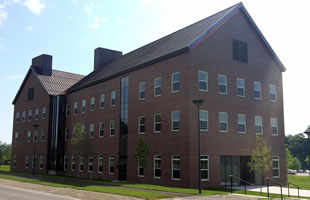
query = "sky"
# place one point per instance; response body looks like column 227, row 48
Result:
column 70, row 30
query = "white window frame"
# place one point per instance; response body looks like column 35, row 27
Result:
column 155, row 123
column 28, row 138
column 29, row 115
column 27, row 162
column 102, row 101
column 259, row 89
column 274, row 124
column 100, row 163
column 42, row 131
column 35, row 136
column 44, row 113
column 36, row 114
column 112, row 122
column 206, row 120
column 173, row 82
column 175, row 120
column 205, row 159
column 91, row 130
column 242, row 81
column 23, row 116
column 67, row 133
column 139, row 166
column 113, row 97
column 241, row 123
column 142, row 90
column 140, row 124
column 81, row 163
column 258, row 121
column 156, row 157
column 90, row 163
column 34, row 161
column 225, row 84
column 41, row 162
column 16, row 137
column 277, row 159
column 14, row 162
column 83, row 106
column 273, row 90
column 17, row 117
column 92, row 104
column 73, row 162
column 175, row 158
column 157, row 86
column 222, row 131
column 75, row 108
column 67, row 110
column 101, row 128
column 204, row 81
column 65, row 162
column 111, row 157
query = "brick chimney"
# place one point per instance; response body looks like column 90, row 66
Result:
column 105, row 56
column 43, row 64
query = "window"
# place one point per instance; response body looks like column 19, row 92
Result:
column 65, row 163
column 43, row 112
column 157, row 123
column 27, row 162
column 101, row 101
column 101, row 129
column 204, row 163
column 29, row 115
column 91, row 130
column 73, row 163
column 240, row 87
column 35, row 136
column 23, row 116
column 42, row 134
column 274, row 126
column 275, row 167
column 90, row 164
column 14, row 161
column 223, row 121
column 92, row 104
column 17, row 117
column 157, row 165
column 272, row 93
column 16, row 137
column 100, row 164
column 175, row 82
column 83, row 108
column 41, row 164
column 241, row 123
column 222, row 84
column 142, row 91
column 141, row 124
column 82, row 131
column 257, row 87
column 175, row 167
column 203, row 81
column 28, row 136
column 240, row 51
column 36, row 114
column 258, row 125
column 73, row 132
column 111, row 165
column 112, row 128
column 75, row 107
column 203, row 120
column 67, row 110
column 81, row 163
column 34, row 159
column 30, row 94
column 157, row 87
column 140, row 169
column 175, row 120
column 113, row 96
column 66, row 134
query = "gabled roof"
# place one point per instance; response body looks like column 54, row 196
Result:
column 56, row 84
column 169, row 46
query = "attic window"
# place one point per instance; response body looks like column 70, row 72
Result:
column 30, row 94
column 240, row 51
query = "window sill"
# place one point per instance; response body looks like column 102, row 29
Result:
column 202, row 90
column 157, row 131
column 222, row 93
column 242, row 133
column 175, row 91
column 223, row 131
column 156, row 177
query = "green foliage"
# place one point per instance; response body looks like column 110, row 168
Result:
column 298, row 145
column 80, row 140
column 142, row 152
column 260, row 160
column 5, row 152
column 291, row 161
column 307, row 160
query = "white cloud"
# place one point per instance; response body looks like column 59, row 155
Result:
column 3, row 17
column 97, row 21
column 35, row 6
column 88, row 9
column 29, row 28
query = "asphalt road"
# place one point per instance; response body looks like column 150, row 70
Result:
column 12, row 193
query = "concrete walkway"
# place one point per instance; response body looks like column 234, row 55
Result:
column 220, row 196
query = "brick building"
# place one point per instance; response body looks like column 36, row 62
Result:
column 147, row 93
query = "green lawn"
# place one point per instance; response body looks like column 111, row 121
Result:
column 300, row 181
column 5, row 168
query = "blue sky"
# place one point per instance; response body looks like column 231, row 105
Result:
column 70, row 30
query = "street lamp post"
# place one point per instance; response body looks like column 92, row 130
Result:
column 198, row 104
column 307, row 132
column 34, row 147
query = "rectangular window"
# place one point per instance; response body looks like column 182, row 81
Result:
column 101, row 129
column 81, row 163
column 14, row 161
column 68, row 110
column 142, row 91
column 176, row 175
column 23, row 116
column 241, row 123
column 240, row 51
column 73, row 132
column 92, row 104
column 204, row 163
column 17, row 117
column 257, row 87
column 83, row 108
column 112, row 128
column 16, row 137
column 73, row 163
column 91, row 130
column 203, row 122
column 223, row 121
column 272, row 93
column 157, row 87
column 157, row 165
column 111, row 165
column 175, row 120
column 175, row 82
column 82, row 131
column 29, row 115
column 35, row 135
column 30, row 94
column 101, row 101
column 28, row 136
column 34, row 160
column 222, row 84
column 141, row 124
column 258, row 125
column 157, row 123
column 240, row 87
column 75, row 107
column 67, row 134
column 27, row 162
column 140, row 169
column 274, row 126
column 275, row 167
column 65, row 163
column 43, row 112
column 36, row 114
column 90, row 164
column 202, row 81
column 41, row 165
column 113, row 96
column 42, row 134
column 100, row 164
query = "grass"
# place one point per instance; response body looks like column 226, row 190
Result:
column 5, row 168
column 300, row 181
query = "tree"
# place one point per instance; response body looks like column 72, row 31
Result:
column 291, row 161
column 142, row 152
column 297, row 145
column 5, row 152
column 260, row 160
